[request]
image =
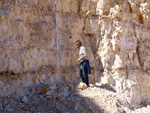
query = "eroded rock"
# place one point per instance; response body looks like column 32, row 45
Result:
column 37, row 40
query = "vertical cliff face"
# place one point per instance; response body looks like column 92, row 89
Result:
column 36, row 46
column 124, row 49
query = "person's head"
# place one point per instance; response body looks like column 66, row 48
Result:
column 78, row 44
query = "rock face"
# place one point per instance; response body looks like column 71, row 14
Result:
column 36, row 46
column 124, row 50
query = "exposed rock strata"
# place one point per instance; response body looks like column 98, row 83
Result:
column 36, row 46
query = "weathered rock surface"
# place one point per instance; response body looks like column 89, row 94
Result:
column 36, row 47
column 124, row 50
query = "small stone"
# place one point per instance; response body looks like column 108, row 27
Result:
column 82, row 86
column 49, row 92
column 10, row 110
column 61, row 98
column 62, row 111
column 43, row 90
column 91, row 85
column 24, row 99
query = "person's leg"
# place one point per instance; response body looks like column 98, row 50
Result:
column 85, row 73
column 81, row 74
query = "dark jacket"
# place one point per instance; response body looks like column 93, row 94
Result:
column 88, row 66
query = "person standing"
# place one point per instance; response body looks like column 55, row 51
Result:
column 84, row 63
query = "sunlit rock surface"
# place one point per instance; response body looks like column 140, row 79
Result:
column 38, row 36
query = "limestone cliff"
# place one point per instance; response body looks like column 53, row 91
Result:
column 36, row 46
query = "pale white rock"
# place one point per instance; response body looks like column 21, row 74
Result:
column 118, row 63
column 82, row 86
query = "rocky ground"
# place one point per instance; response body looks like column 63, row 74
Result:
column 64, row 98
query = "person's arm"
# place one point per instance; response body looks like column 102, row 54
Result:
column 82, row 57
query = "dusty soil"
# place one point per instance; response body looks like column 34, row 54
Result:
column 66, row 99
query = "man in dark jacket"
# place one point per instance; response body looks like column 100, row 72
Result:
column 84, row 62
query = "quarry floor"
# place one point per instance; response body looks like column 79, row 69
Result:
column 64, row 98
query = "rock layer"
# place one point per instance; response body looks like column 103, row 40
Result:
column 37, row 44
